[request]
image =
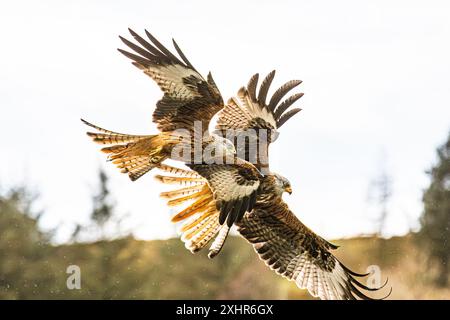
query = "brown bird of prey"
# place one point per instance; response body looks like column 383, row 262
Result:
column 280, row 239
column 243, row 191
column 189, row 101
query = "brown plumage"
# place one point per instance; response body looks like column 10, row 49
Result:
column 133, row 154
column 254, row 120
column 234, row 188
column 282, row 241
column 199, row 212
column 217, row 195
column 188, row 97
column 292, row 250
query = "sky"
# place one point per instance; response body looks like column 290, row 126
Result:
column 375, row 77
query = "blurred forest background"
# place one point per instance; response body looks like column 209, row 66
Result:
column 114, row 265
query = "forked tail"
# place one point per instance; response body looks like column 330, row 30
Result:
column 133, row 154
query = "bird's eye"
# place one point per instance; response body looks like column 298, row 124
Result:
column 230, row 147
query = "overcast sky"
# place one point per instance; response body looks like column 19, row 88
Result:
column 376, row 78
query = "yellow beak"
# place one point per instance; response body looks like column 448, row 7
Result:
column 288, row 189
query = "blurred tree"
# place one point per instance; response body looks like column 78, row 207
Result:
column 104, row 224
column 23, row 247
column 383, row 195
column 380, row 193
column 103, row 208
column 435, row 221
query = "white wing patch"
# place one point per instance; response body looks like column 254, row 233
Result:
column 170, row 80
column 223, row 180
column 320, row 283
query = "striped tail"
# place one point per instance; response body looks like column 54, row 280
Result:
column 199, row 213
column 132, row 154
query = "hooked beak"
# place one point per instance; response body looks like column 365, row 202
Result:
column 288, row 189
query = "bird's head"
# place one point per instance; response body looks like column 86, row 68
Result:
column 224, row 145
column 282, row 184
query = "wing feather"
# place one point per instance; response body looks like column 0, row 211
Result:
column 285, row 117
column 254, row 122
column 188, row 97
column 265, row 87
column 201, row 215
column 234, row 187
column 281, row 92
column 292, row 250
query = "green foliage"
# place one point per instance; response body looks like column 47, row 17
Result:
column 435, row 221
column 23, row 248
column 31, row 267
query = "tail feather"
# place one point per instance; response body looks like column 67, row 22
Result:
column 114, row 149
column 180, row 180
column 110, row 137
column 133, row 154
column 178, row 171
column 136, row 168
column 107, row 138
column 101, row 129
column 180, row 192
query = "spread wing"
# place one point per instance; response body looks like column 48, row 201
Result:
column 292, row 250
column 234, row 187
column 188, row 97
column 200, row 215
column 255, row 121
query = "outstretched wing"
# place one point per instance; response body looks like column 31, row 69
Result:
column 255, row 121
column 200, row 215
column 188, row 97
column 234, row 187
column 292, row 250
